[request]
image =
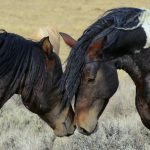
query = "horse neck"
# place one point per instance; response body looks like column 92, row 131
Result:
column 127, row 43
column 44, row 98
column 45, row 92
column 52, row 86
column 127, row 64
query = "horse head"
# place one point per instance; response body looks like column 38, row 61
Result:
column 47, row 96
column 98, row 83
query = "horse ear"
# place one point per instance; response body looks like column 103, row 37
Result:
column 68, row 39
column 46, row 45
column 96, row 47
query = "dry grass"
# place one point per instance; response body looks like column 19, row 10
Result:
column 120, row 127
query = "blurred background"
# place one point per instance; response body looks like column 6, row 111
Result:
column 120, row 127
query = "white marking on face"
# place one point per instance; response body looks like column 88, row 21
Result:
column 145, row 24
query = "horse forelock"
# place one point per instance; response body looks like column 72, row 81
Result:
column 54, row 37
column 72, row 75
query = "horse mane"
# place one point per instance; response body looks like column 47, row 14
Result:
column 20, row 62
column 108, row 25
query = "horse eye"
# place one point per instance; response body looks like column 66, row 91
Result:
column 91, row 80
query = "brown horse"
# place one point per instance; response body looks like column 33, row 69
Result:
column 33, row 70
column 119, row 32
column 114, row 34
column 100, row 80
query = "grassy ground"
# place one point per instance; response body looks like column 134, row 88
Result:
column 120, row 127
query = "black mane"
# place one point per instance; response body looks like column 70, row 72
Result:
column 107, row 25
column 21, row 64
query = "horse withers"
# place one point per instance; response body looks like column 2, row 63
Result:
column 33, row 70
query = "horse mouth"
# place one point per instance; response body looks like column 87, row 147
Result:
column 87, row 133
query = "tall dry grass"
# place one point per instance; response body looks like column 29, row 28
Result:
column 120, row 127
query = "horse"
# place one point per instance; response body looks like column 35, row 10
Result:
column 100, row 79
column 86, row 122
column 31, row 69
column 119, row 33
column 113, row 35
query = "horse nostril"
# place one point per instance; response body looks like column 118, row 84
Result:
column 83, row 131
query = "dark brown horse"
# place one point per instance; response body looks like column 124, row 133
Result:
column 132, row 41
column 33, row 70
column 100, row 80
column 141, row 79
column 120, row 32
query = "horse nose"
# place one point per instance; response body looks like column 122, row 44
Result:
column 84, row 131
column 71, row 130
